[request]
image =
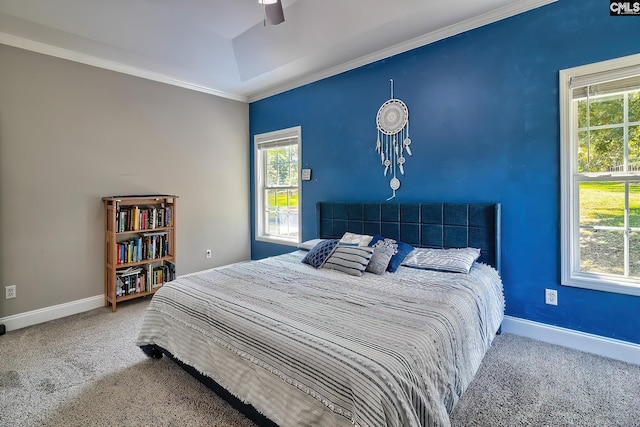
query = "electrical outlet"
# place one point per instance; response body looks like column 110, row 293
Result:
column 551, row 296
column 208, row 253
column 10, row 292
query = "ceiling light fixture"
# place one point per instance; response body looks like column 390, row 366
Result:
column 273, row 12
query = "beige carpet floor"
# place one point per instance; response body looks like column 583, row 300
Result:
column 85, row 370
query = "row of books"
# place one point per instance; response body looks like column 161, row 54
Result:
column 147, row 246
column 134, row 218
column 144, row 279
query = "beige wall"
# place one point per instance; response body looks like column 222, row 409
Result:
column 71, row 134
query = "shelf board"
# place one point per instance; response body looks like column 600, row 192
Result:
column 133, row 296
column 143, row 262
column 146, row 230
column 142, row 199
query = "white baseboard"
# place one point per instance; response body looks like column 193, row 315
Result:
column 29, row 318
column 607, row 347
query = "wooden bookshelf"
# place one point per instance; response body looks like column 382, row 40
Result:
column 139, row 245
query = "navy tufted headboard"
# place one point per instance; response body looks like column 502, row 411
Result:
column 427, row 225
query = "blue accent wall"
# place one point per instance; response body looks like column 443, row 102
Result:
column 484, row 120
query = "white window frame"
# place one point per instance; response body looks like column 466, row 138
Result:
column 569, row 217
column 259, row 173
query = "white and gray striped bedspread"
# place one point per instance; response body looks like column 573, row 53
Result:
column 320, row 347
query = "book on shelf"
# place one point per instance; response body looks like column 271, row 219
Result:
column 128, row 281
column 144, row 278
column 153, row 218
column 148, row 246
column 137, row 218
column 157, row 275
column 155, row 233
column 129, row 271
column 171, row 270
column 168, row 219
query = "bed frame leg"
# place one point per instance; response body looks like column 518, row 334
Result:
column 151, row 351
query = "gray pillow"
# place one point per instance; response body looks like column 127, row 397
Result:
column 380, row 259
column 452, row 260
column 352, row 260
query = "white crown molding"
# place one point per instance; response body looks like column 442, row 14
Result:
column 30, row 318
column 469, row 24
column 83, row 58
column 582, row 341
column 432, row 37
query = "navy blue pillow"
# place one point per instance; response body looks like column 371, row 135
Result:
column 320, row 252
column 401, row 250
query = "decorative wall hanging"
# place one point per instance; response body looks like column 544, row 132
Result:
column 393, row 138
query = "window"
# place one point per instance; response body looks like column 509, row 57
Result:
column 277, row 193
column 600, row 172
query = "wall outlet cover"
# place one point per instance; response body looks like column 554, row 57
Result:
column 551, row 296
column 10, row 292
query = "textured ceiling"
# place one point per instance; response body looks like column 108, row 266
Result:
column 222, row 46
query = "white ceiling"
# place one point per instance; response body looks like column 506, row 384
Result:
column 222, row 46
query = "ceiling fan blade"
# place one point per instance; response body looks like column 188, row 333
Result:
column 274, row 13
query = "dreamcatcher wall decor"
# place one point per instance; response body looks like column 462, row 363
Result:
column 393, row 138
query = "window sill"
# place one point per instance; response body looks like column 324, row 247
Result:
column 286, row 242
column 602, row 283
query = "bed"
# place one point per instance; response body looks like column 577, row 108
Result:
column 305, row 346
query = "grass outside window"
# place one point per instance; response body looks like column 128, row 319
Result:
column 602, row 205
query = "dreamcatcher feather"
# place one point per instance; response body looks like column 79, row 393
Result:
column 393, row 138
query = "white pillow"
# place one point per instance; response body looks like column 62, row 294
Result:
column 352, row 260
column 353, row 239
column 452, row 260
column 309, row 244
